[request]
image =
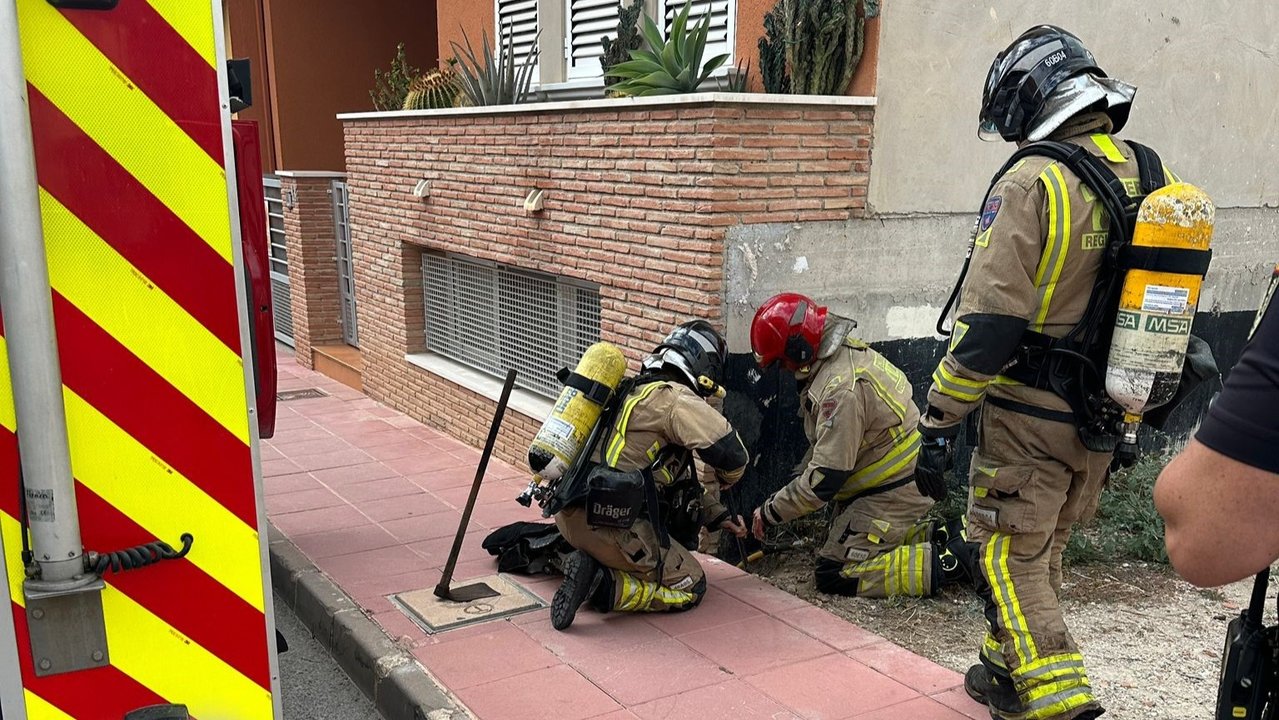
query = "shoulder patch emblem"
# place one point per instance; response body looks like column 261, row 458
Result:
column 989, row 212
column 828, row 410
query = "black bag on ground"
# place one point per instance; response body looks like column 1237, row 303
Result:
column 528, row 548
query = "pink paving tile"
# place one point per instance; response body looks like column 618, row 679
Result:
column 618, row 715
column 830, row 688
column 443, row 478
column 501, row 651
column 716, row 610
column 755, row 644
column 372, row 591
column 399, row 626
column 717, row 569
column 343, row 541
column 897, row 662
column 918, row 709
column 381, row 562
column 830, row 629
column 289, row 483
column 554, row 693
column 383, row 411
column 405, row 448
column 266, row 452
column 377, row 489
column 594, row 634
column 299, row 450
column 648, row 672
column 424, row 527
column 418, row 505
column 402, row 421
column 334, row 477
column 324, row 519
column 344, row 457
column 732, row 699
column 298, row 431
column 491, row 492
column 958, row 700
column 415, row 464
column 273, row 468
column 378, row 438
column 543, row 586
column 320, row 497
column 495, row 515
column 357, row 426
column 436, row 550
column 422, row 432
column 753, row 591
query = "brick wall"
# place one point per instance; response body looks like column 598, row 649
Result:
column 637, row 200
column 313, row 275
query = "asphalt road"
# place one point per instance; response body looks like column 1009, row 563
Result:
column 314, row 687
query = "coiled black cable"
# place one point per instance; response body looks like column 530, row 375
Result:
column 141, row 555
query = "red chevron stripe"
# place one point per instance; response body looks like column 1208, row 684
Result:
column 99, row 693
column 167, row 423
column 88, row 181
column 177, row 592
column 133, row 37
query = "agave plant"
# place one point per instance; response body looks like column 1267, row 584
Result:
column 494, row 79
column 671, row 66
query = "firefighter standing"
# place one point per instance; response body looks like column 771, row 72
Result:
column 662, row 419
column 1038, row 248
column 861, row 423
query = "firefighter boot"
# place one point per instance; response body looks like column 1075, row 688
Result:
column 989, row 689
column 955, row 555
column 582, row 577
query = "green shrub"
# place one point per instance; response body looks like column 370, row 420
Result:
column 391, row 87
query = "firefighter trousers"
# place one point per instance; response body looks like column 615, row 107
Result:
column 879, row 547
column 631, row 555
column 1030, row 481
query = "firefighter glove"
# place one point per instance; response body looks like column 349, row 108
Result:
column 936, row 457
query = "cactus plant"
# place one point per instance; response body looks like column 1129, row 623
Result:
column 433, row 90
column 669, row 66
column 494, row 79
column 618, row 50
column 813, row 47
column 391, row 87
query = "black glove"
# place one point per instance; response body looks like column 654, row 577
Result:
column 936, row 457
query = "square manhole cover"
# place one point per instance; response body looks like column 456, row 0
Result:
column 434, row 615
column 303, row 394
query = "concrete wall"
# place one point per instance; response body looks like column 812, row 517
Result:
column 1208, row 73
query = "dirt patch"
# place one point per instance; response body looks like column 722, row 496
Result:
column 1152, row 641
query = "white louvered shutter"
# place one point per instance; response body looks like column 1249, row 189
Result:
column 719, row 38
column 588, row 21
column 518, row 20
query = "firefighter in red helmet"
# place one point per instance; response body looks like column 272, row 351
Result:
column 861, row 422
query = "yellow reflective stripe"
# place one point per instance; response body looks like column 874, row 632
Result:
column 156, row 655
column 618, row 443
column 1054, row 257
column 61, row 63
column 1035, row 668
column 948, row 384
column 1058, row 702
column 1108, row 148
column 129, row 307
column 1004, row 380
column 993, row 651
column 39, row 709
column 173, row 666
column 895, row 461
column 193, row 21
column 641, row 595
column 898, row 408
column 996, row 551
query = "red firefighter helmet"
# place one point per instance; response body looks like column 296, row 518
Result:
column 787, row 328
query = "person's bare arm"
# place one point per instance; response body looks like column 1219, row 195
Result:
column 1222, row 516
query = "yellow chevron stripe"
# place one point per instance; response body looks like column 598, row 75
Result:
column 61, row 63
column 155, row 654
column 128, row 306
column 39, row 709
column 193, row 21
column 124, row 473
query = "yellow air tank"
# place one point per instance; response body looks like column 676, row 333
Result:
column 578, row 408
column 1156, row 309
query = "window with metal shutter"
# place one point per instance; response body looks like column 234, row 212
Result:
column 719, row 37
column 588, row 22
column 517, row 22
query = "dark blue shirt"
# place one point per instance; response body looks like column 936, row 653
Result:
column 1243, row 422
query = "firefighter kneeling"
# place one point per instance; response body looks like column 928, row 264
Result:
column 638, row 510
column 861, row 421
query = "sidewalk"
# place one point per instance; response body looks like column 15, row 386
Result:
column 373, row 499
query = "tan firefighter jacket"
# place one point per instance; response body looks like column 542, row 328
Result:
column 861, row 424
column 1039, row 246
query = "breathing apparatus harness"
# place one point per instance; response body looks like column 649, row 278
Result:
column 1074, row 365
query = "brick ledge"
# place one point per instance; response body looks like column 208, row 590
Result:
column 709, row 98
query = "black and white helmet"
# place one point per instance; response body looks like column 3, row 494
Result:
column 693, row 350
column 1025, row 75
